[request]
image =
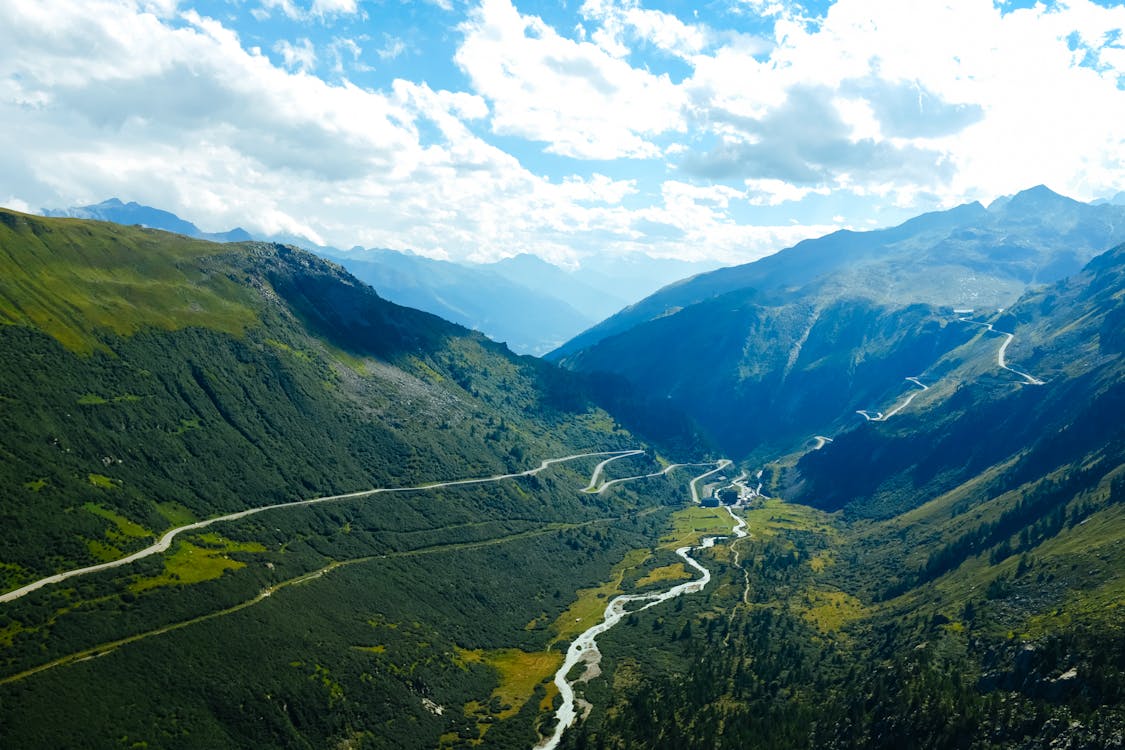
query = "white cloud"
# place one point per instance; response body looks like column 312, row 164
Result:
column 346, row 55
column 580, row 100
column 324, row 8
column 285, row 6
column 187, row 119
column 392, row 47
column 300, row 56
column 908, row 99
column 768, row 192
column 693, row 223
column 892, row 103
column 620, row 20
column 17, row 204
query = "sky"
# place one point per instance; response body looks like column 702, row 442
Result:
column 718, row 130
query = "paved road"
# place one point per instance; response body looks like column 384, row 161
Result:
column 606, row 485
column 722, row 464
column 880, row 416
column 592, row 487
column 1001, row 353
column 166, row 541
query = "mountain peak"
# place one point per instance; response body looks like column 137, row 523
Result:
column 526, row 261
column 1031, row 200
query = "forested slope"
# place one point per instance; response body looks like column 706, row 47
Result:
column 966, row 590
column 150, row 381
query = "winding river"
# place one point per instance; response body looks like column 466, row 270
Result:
column 584, row 648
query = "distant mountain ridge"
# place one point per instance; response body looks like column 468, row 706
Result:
column 524, row 301
column 532, row 272
column 968, row 256
column 131, row 213
column 530, row 321
column 795, row 343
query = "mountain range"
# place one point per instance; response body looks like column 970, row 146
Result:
column 366, row 550
column 133, row 213
column 524, row 301
column 947, row 567
column 794, row 344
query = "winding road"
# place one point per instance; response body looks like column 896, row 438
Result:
column 1001, row 353
column 583, row 648
column 722, row 464
column 880, row 416
column 596, row 489
column 592, row 487
column 166, row 541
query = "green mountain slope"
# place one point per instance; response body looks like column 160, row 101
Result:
column 966, row 591
column 977, row 415
column 947, row 574
column 798, row 342
column 151, row 381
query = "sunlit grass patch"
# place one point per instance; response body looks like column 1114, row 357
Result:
column 690, row 525
column 123, row 525
column 774, row 516
column 176, row 514
column 102, row 482
column 102, row 551
column 674, row 572
column 190, row 563
column 217, row 541
column 519, row 673
column 296, row 353
column 590, row 605
column 821, row 561
column 831, row 610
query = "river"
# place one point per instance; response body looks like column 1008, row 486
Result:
column 584, row 648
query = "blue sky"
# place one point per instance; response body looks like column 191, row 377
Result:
column 719, row 130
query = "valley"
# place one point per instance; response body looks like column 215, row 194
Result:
column 601, row 375
column 317, row 518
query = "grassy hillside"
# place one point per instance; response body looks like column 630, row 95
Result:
column 150, row 381
column 73, row 279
